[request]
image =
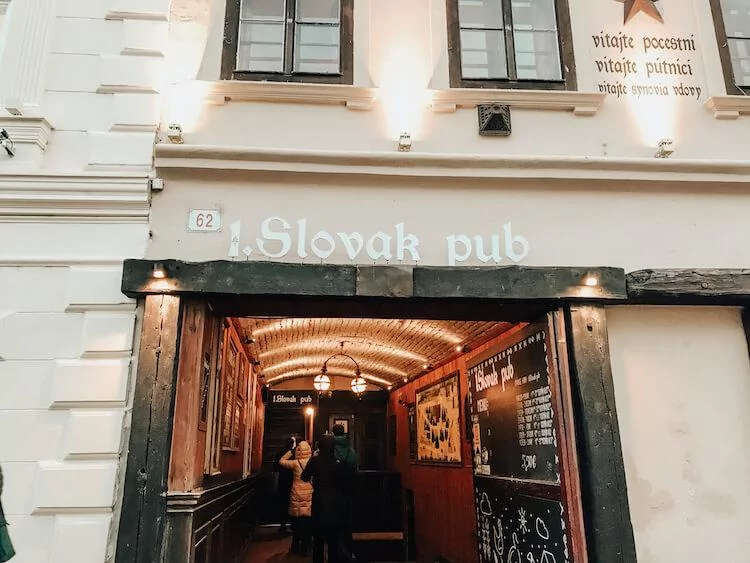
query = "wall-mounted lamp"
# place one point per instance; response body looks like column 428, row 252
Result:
column 665, row 148
column 158, row 272
column 309, row 411
column 249, row 340
column 404, row 142
column 7, row 143
column 591, row 281
column 174, row 133
column 402, row 400
column 406, row 380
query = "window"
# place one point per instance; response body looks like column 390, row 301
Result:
column 732, row 22
column 288, row 41
column 510, row 44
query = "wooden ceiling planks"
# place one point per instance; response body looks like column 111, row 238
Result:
column 388, row 350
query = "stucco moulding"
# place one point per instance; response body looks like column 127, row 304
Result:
column 362, row 98
column 27, row 130
column 595, row 170
column 729, row 107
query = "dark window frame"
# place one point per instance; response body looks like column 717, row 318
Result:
column 565, row 43
column 231, row 42
column 724, row 53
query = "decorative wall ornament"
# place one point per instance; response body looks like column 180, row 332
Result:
column 632, row 7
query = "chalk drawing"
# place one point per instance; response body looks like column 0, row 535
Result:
column 541, row 529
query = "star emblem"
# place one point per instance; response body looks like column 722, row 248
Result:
column 632, row 7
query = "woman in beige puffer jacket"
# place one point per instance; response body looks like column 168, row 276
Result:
column 300, row 499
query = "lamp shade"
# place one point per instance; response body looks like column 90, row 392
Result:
column 359, row 385
column 322, row 382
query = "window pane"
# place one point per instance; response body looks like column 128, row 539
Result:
column 480, row 13
column 740, row 50
column 261, row 47
column 272, row 10
column 318, row 11
column 483, row 54
column 537, row 55
column 316, row 49
column 736, row 17
column 534, row 15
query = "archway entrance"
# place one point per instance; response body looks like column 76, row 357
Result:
column 526, row 377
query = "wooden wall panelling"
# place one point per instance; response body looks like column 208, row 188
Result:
column 443, row 496
column 144, row 505
column 185, row 444
column 609, row 532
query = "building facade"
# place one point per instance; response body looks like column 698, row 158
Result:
column 430, row 133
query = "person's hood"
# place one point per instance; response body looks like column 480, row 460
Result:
column 304, row 451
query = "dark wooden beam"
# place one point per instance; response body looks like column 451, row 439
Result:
column 746, row 325
column 519, row 282
column 144, row 506
column 238, row 278
column 609, row 532
column 690, row 286
column 509, row 283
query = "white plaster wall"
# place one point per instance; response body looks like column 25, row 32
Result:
column 72, row 210
column 682, row 386
column 401, row 48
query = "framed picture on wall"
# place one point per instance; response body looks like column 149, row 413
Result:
column 411, row 413
column 242, row 379
column 204, row 390
column 230, row 392
column 343, row 422
column 237, row 424
column 392, row 438
column 439, row 422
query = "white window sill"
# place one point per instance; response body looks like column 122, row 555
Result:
column 728, row 107
column 580, row 103
column 362, row 98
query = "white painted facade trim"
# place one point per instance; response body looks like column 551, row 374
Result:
column 27, row 130
column 361, row 98
column 580, row 103
column 728, row 107
column 22, row 66
column 594, row 169
column 60, row 197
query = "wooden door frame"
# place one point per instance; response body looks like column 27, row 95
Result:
column 516, row 293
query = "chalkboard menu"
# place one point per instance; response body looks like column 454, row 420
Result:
column 518, row 491
column 516, row 528
column 512, row 410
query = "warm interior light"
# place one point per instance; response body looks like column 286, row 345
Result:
column 459, row 348
column 159, row 272
column 406, row 380
column 359, row 385
column 322, row 383
column 309, row 411
column 591, row 281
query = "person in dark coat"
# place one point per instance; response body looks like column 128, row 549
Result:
column 331, row 482
column 344, row 453
column 284, row 484
column 6, row 547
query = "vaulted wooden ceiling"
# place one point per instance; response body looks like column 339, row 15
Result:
column 388, row 351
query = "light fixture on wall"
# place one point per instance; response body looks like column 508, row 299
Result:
column 158, row 271
column 7, row 143
column 591, row 280
column 404, row 142
column 174, row 133
column 665, row 148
